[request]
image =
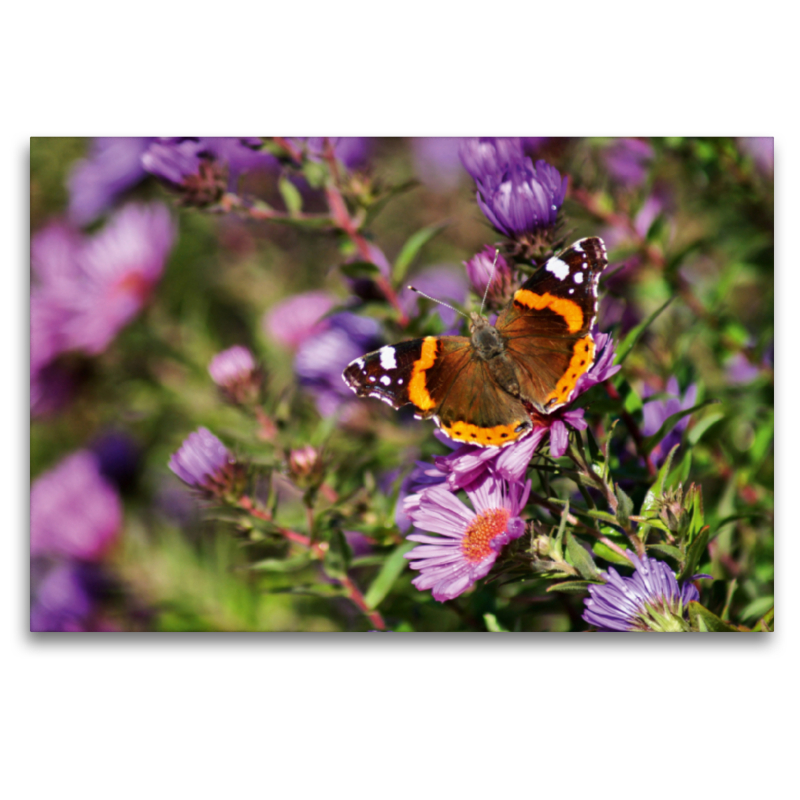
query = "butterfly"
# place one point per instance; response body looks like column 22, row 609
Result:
column 483, row 388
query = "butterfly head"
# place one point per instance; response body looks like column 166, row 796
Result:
column 486, row 338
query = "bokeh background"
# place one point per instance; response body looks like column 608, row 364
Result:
column 120, row 543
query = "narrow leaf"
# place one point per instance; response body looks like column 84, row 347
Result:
column 571, row 587
column 633, row 337
column 580, row 558
column 412, row 247
column 390, row 572
column 291, row 196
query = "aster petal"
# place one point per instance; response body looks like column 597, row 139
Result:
column 559, row 439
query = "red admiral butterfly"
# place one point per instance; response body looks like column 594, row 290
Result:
column 483, row 388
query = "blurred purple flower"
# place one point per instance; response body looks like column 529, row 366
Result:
column 119, row 268
column 469, row 540
column 63, row 601
column 112, row 166
column 657, row 411
column 519, row 198
column 93, row 287
column 118, row 456
column 232, row 365
column 481, row 269
column 202, row 461
column 650, row 600
column 75, row 512
column 441, row 282
column 320, row 360
column 628, row 160
column 739, row 371
column 235, row 372
column 203, row 168
column 294, row 320
column 436, row 161
column 352, row 151
column 173, row 161
column 762, row 150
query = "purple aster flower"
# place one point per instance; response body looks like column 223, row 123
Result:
column 293, row 321
column 352, row 151
column 650, row 600
column 762, row 150
column 488, row 158
column 75, row 512
column 627, row 161
column 441, row 282
column 235, row 372
column 204, row 462
column 63, row 601
column 436, row 161
column 470, row 539
column 481, row 269
column 603, row 367
column 91, row 288
column 657, row 411
column 119, row 268
column 112, row 167
column 320, row 360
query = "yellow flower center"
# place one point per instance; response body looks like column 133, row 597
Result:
column 476, row 544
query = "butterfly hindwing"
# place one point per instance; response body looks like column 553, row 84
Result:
column 547, row 324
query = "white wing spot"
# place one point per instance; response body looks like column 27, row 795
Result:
column 557, row 267
column 572, row 291
column 577, row 246
column 399, row 381
column 388, row 360
column 385, row 380
column 578, row 277
column 371, row 379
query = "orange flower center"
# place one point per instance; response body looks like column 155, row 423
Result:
column 476, row 544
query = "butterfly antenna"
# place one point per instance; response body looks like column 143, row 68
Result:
column 491, row 278
column 440, row 302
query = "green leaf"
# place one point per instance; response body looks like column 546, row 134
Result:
column 337, row 559
column 282, row 564
column 360, row 269
column 604, row 516
column 410, row 249
column 671, row 421
column 602, row 550
column 634, row 335
column 572, row 587
column 580, row 558
column 492, row 625
column 667, row 550
column 767, row 622
column 704, row 621
column 624, row 507
column 633, row 402
column 390, row 572
column 291, row 196
column 757, row 608
column 694, row 553
column 696, row 433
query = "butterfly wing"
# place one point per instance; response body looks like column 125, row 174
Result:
column 547, row 325
column 442, row 378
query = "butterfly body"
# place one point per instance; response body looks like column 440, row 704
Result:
column 484, row 388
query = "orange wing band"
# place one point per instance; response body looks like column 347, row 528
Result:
column 570, row 312
column 417, row 389
column 582, row 357
column 496, row 436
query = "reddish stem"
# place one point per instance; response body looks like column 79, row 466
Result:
column 318, row 549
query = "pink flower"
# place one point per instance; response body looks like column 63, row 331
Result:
column 470, row 539
column 75, row 512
